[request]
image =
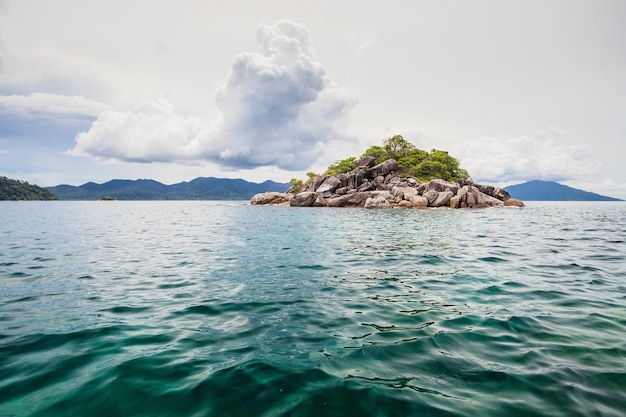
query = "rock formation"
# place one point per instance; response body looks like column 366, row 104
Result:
column 379, row 186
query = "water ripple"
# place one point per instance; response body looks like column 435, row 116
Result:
column 198, row 308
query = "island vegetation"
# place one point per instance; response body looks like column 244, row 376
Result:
column 414, row 162
column 11, row 189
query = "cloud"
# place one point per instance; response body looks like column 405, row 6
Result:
column 276, row 108
column 44, row 118
column 522, row 158
column 54, row 105
column 151, row 132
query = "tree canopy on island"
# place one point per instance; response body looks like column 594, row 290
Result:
column 22, row 190
column 422, row 165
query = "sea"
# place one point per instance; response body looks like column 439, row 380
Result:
column 205, row 308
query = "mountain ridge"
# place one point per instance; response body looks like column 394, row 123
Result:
column 537, row 190
column 201, row 188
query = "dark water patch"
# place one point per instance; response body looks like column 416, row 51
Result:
column 127, row 310
column 175, row 285
column 492, row 259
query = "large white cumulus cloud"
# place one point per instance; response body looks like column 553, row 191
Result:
column 151, row 132
column 276, row 108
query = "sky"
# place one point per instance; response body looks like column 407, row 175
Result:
column 171, row 91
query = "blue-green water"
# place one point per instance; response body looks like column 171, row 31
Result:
column 206, row 309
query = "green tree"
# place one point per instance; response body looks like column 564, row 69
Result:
column 378, row 152
column 296, row 185
column 341, row 167
column 397, row 147
column 453, row 168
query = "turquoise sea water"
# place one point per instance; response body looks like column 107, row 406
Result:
column 216, row 309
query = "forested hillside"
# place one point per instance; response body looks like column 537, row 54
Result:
column 22, row 190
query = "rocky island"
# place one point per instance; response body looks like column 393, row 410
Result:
column 372, row 183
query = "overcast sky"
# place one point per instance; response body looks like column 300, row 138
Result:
column 517, row 90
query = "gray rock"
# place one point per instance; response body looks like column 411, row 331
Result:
column 317, row 181
column 384, row 168
column 419, row 201
column 356, row 178
column 487, row 200
column 350, row 200
column 379, row 180
column 490, row 190
column 341, row 191
column 344, row 179
column 431, row 196
column 366, row 186
column 270, row 198
column 366, row 162
column 455, row 202
column 320, row 202
column 304, row 199
column 441, row 185
column 329, row 184
column 397, row 193
column 409, row 193
column 513, row 202
column 376, row 202
column 443, row 199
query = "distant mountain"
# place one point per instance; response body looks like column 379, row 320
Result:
column 22, row 190
column 552, row 191
column 197, row 189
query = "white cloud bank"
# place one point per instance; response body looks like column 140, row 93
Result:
column 276, row 108
column 522, row 158
column 49, row 104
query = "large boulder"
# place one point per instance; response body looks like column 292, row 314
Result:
column 513, row 202
column 366, row 186
column 489, row 201
column 330, row 184
column 320, row 202
column 496, row 192
column 304, row 199
column 441, row 185
column 366, row 162
column 419, row 201
column 397, row 193
column 431, row 196
column 342, row 190
column 317, row 181
column 350, row 200
column 384, row 168
column 377, row 201
column 343, row 178
column 409, row 193
column 442, row 199
column 355, row 178
column 270, row 197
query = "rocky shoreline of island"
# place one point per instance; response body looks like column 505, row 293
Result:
column 381, row 186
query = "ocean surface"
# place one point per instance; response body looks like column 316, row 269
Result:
column 195, row 308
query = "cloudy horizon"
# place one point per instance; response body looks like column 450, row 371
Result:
column 515, row 90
